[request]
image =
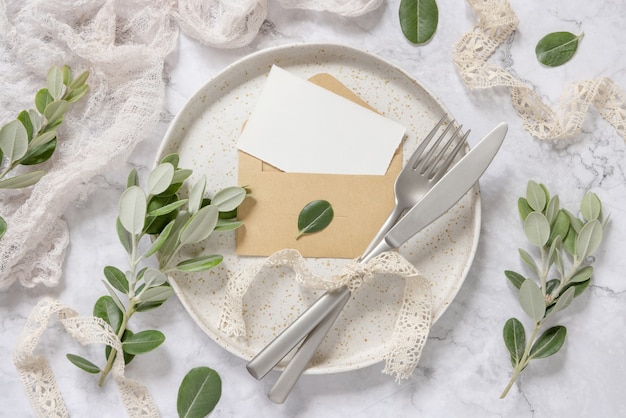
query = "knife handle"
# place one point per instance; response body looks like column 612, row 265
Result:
column 276, row 350
column 298, row 363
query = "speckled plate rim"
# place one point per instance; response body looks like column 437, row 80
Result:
column 352, row 52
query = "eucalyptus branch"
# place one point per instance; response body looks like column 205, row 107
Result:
column 171, row 223
column 559, row 235
column 31, row 138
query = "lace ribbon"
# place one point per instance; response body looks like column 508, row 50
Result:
column 38, row 378
column 414, row 319
column 496, row 22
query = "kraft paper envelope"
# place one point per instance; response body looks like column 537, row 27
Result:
column 360, row 202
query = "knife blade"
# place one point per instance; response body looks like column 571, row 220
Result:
column 443, row 195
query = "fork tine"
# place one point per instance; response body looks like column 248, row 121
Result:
column 432, row 161
column 424, row 144
column 443, row 168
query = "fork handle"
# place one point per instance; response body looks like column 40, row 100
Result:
column 391, row 220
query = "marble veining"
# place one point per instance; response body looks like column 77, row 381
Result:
column 464, row 366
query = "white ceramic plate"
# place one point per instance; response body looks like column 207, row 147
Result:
column 205, row 132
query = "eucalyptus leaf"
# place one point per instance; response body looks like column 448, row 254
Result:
column 536, row 196
column 551, row 285
column 314, row 217
column 559, row 227
column 173, row 159
column 156, row 224
column 537, row 228
column 181, row 175
column 549, row 342
column 591, row 207
column 557, row 48
column 133, row 178
column 142, row 342
column 79, row 81
column 514, row 339
column 54, row 82
column 199, row 393
column 564, row 300
column 200, row 263
column 55, row 111
column 159, row 241
column 114, row 297
column 24, row 117
column 3, row 227
column 132, row 209
column 528, row 259
column 583, row 274
column 589, row 239
column 523, row 207
column 22, row 180
column 40, row 154
column 164, row 210
column 35, row 119
column 43, row 139
column 157, row 294
column 127, row 357
column 83, row 364
column 160, row 178
column 153, row 277
column 124, row 236
column 579, row 288
column 532, row 300
column 418, row 19
column 227, row 225
column 196, row 195
column 552, row 210
column 116, row 278
column 515, row 278
column 200, row 225
column 66, row 71
column 76, row 94
column 14, row 140
column 106, row 309
column 42, row 100
column 229, row 198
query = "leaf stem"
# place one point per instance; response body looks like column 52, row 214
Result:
column 111, row 358
column 521, row 365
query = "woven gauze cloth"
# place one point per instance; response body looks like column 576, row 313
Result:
column 123, row 44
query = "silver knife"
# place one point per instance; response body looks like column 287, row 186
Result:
column 443, row 195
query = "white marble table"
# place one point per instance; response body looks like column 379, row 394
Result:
column 465, row 365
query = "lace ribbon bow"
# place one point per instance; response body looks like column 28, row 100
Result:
column 414, row 318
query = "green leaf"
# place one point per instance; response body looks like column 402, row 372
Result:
column 569, row 243
column 164, row 210
column 157, row 294
column 22, row 180
column 523, row 207
column 536, row 196
column 589, row 239
column 54, row 82
column 579, row 288
column 42, row 100
column 160, row 178
column 132, row 179
column 549, row 342
column 514, row 339
column 229, row 198
column 591, row 207
column 583, row 274
column 200, row 263
column 314, row 217
column 181, row 175
column 67, row 75
column 14, row 140
column 156, row 224
column 153, row 277
column 552, row 210
column 200, row 225
column 173, row 159
column 198, row 393
column 515, row 278
column 79, row 81
column 116, row 278
column 537, row 228
column 559, row 227
column 564, row 300
column 106, row 309
column 532, row 300
column 557, row 48
column 227, row 225
column 160, row 240
column 55, row 111
column 551, row 285
column 42, row 153
column 36, row 119
column 83, row 363
column 172, row 241
column 196, row 195
column 3, row 227
column 76, row 94
column 24, row 117
column 418, row 19
column 528, row 259
column 132, row 209
column 124, row 236
column 143, row 341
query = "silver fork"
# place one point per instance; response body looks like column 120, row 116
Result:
column 426, row 166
